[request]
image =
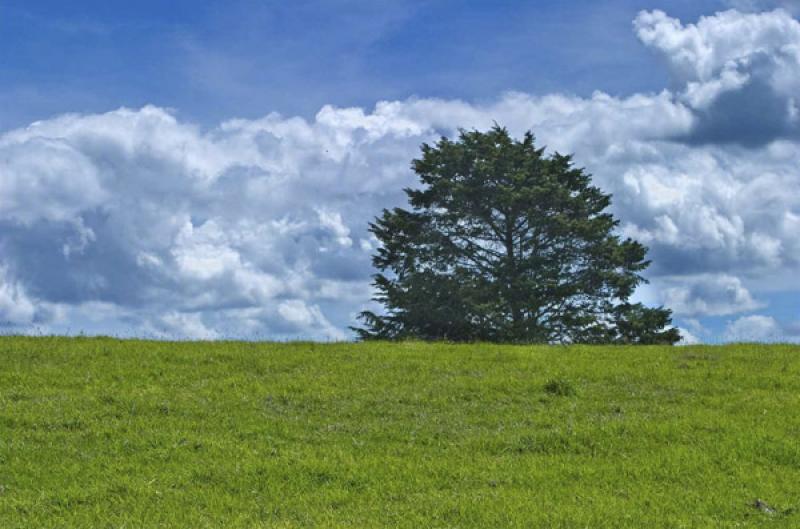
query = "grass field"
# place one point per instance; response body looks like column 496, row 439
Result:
column 102, row 433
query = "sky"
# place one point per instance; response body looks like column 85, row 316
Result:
column 204, row 170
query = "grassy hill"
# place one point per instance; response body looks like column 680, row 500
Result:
column 102, row 433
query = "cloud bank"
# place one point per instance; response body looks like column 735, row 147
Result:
column 134, row 222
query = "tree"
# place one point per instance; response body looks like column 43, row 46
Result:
column 506, row 244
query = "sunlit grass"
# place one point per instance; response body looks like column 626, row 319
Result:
column 102, row 433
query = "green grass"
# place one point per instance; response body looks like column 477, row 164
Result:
column 102, row 433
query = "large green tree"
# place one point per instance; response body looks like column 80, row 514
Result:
column 505, row 243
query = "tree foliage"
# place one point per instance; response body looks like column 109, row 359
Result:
column 505, row 243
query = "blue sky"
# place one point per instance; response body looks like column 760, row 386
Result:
column 214, row 60
column 202, row 169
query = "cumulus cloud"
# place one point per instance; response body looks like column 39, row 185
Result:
column 16, row 308
column 188, row 325
column 761, row 328
column 303, row 316
column 738, row 71
column 714, row 295
column 756, row 328
column 133, row 219
column 33, row 184
column 687, row 338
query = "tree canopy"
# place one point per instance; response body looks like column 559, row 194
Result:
column 504, row 243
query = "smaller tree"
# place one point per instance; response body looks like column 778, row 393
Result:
column 503, row 243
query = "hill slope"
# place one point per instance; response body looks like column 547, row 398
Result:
column 96, row 432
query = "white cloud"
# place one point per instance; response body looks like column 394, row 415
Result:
column 258, row 227
column 687, row 338
column 46, row 178
column 332, row 221
column 756, row 328
column 203, row 253
column 304, row 317
column 739, row 71
column 726, row 49
column 761, row 328
column 184, row 325
column 709, row 295
column 16, row 308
